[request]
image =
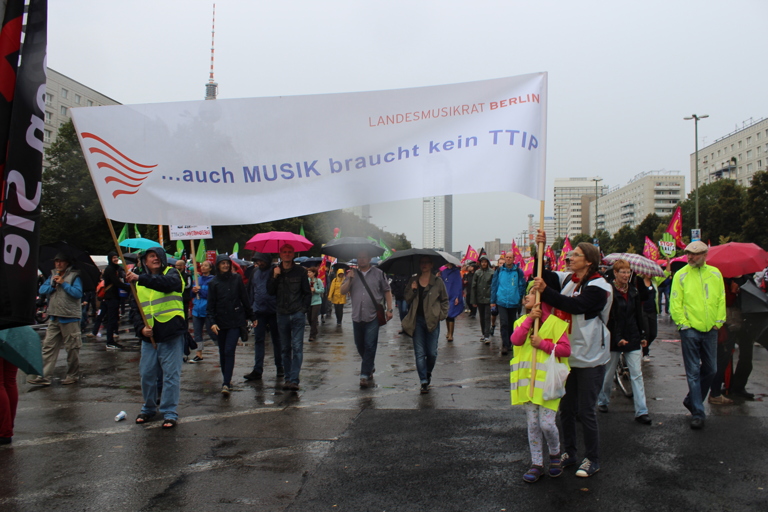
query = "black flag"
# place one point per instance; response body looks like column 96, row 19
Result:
column 22, row 99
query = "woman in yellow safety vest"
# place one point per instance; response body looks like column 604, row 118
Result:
column 527, row 389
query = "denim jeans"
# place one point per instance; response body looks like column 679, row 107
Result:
column 402, row 308
column 366, row 340
column 633, row 359
column 699, row 357
column 291, row 329
column 264, row 321
column 227, row 346
column 425, row 348
column 507, row 317
column 198, row 322
column 581, row 390
column 165, row 360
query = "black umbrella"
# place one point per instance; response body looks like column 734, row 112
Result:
column 311, row 262
column 407, row 262
column 90, row 275
column 754, row 306
column 340, row 265
column 348, row 247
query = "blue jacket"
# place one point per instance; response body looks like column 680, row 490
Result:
column 508, row 287
column 261, row 301
column 200, row 305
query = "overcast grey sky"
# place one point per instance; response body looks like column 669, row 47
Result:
column 622, row 75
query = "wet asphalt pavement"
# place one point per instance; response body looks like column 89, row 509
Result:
column 335, row 447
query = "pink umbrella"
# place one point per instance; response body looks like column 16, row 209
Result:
column 272, row 241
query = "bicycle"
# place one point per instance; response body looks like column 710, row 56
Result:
column 621, row 377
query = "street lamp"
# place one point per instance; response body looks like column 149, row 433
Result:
column 696, row 134
column 596, row 180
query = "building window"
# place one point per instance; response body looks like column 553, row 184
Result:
column 63, row 110
column 739, row 144
column 749, row 167
column 48, row 116
column 48, row 98
column 77, row 99
column 749, row 141
column 64, row 93
column 46, row 136
column 759, row 164
column 89, row 103
column 749, row 154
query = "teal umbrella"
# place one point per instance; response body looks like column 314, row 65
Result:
column 21, row 347
column 139, row 243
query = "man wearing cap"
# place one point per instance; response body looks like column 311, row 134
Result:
column 697, row 306
column 159, row 289
column 264, row 307
column 64, row 290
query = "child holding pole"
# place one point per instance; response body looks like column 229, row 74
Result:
column 527, row 381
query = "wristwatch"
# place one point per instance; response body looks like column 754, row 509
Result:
column 390, row 310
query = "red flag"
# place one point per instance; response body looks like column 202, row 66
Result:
column 471, row 255
column 550, row 254
column 321, row 272
column 528, row 267
column 561, row 265
column 675, row 228
column 650, row 250
column 516, row 252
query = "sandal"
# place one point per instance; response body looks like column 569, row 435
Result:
column 169, row 423
column 533, row 474
column 555, row 466
column 143, row 418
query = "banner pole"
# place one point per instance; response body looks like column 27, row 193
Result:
column 125, row 267
column 194, row 262
column 539, row 273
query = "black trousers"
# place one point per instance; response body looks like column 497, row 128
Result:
column 581, row 390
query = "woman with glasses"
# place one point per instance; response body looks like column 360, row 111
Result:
column 582, row 298
column 629, row 328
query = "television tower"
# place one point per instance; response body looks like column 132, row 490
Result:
column 212, row 88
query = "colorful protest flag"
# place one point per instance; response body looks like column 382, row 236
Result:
column 136, row 230
column 200, row 256
column 549, row 253
column 561, row 264
column 123, row 234
column 179, row 249
column 650, row 250
column 471, row 255
column 301, row 231
column 336, row 233
column 528, row 267
column 383, row 139
column 516, row 252
column 387, row 250
column 236, row 248
column 323, row 269
column 675, row 227
column 22, row 88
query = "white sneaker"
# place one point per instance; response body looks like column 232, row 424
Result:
column 646, row 359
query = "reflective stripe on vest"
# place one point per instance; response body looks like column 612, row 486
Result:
column 158, row 305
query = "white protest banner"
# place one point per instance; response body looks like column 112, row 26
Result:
column 190, row 232
column 244, row 161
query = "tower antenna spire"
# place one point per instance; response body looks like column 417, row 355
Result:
column 212, row 88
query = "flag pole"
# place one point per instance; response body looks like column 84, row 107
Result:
column 536, row 323
column 125, row 267
column 194, row 262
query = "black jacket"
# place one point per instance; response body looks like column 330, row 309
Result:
column 165, row 283
column 291, row 288
column 627, row 321
column 228, row 305
column 113, row 275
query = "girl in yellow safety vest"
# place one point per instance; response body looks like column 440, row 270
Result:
column 527, row 389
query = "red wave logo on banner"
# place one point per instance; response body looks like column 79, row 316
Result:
column 120, row 169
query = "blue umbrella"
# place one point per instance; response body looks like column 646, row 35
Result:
column 139, row 243
column 21, row 347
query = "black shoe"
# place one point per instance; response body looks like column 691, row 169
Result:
column 252, row 376
column 644, row 419
column 567, row 461
column 743, row 393
column 424, row 388
column 602, row 408
column 280, row 372
column 697, row 423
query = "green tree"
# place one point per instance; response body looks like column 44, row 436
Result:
column 719, row 210
column 646, row 228
column 70, row 207
column 756, row 208
column 622, row 240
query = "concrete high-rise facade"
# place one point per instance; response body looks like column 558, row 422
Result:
column 649, row 192
column 437, row 223
column 736, row 156
column 572, row 197
column 61, row 94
